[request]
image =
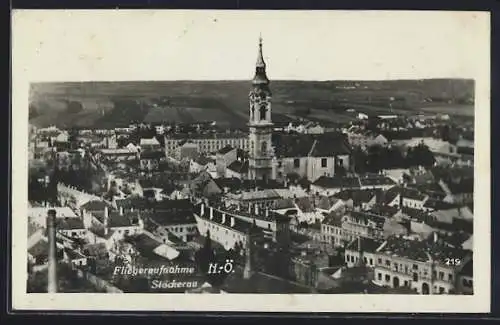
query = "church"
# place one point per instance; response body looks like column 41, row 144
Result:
column 274, row 156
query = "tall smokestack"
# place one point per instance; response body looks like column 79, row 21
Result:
column 52, row 271
column 106, row 220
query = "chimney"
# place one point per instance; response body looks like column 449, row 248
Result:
column 232, row 222
column 106, row 220
column 211, row 213
column 121, row 210
column 52, row 268
column 202, row 209
column 247, row 271
column 223, row 218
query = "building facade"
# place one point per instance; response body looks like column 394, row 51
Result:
column 260, row 123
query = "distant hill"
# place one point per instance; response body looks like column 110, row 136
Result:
column 110, row 104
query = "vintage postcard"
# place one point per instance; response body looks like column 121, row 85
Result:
column 268, row 161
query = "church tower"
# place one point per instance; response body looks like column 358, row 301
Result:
column 260, row 123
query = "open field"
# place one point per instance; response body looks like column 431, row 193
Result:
column 109, row 104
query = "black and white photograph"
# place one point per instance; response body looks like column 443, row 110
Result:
column 277, row 161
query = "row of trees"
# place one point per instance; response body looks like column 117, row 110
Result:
column 377, row 158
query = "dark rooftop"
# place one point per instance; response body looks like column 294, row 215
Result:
column 238, row 225
column 337, row 182
column 422, row 251
column 367, row 245
column 238, row 166
column 70, row 224
column 225, row 150
column 95, row 205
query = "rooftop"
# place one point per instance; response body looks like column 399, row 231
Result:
column 95, row 205
column 337, row 182
column 367, row 245
column 238, row 166
column 422, row 251
column 207, row 135
column 225, row 150
column 230, row 220
column 358, row 196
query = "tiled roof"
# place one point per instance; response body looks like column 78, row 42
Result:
column 439, row 205
column 367, row 244
column 152, row 155
column 384, row 210
column 116, row 219
column 412, row 194
column 239, row 225
column 240, row 167
column 333, row 220
column 391, row 194
column 225, row 150
column 327, row 202
column 328, row 145
column 96, row 205
column 358, row 196
column 283, row 204
column 144, row 244
column 316, row 145
column 70, row 224
column 305, row 204
column 423, row 251
column 337, row 182
column 172, row 217
column 364, row 217
column 211, row 135
column 203, row 160
column 374, row 181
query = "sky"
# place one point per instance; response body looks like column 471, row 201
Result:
column 215, row 45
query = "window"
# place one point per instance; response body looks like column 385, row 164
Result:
column 387, row 262
column 450, row 277
column 380, row 277
column 415, row 266
column 387, row 278
column 323, row 163
column 415, row 276
column 434, row 274
column 263, row 147
column 441, row 275
column 379, row 261
column 406, row 283
column 396, row 267
column 365, row 260
column 296, row 163
column 371, row 261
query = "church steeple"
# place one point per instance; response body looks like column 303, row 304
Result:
column 260, row 58
column 260, row 77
